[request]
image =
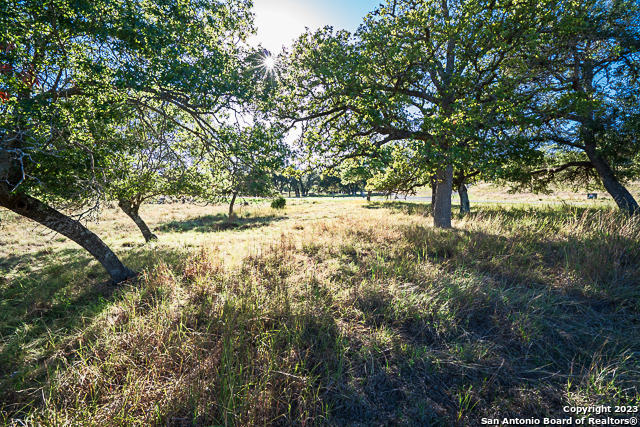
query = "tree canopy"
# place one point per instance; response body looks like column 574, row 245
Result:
column 584, row 72
column 431, row 74
column 68, row 68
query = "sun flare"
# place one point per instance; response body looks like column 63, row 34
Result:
column 269, row 63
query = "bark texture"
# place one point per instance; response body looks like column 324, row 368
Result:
column 37, row 211
column 132, row 209
column 368, row 196
column 442, row 205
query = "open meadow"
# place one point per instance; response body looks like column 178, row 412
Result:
column 153, row 273
column 329, row 312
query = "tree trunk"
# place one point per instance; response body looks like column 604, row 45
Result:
column 131, row 209
column 461, row 188
column 368, row 196
column 442, row 206
column 233, row 200
column 434, row 186
column 465, row 206
column 37, row 211
column 620, row 194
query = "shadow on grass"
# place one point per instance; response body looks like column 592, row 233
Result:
column 44, row 310
column 218, row 222
column 531, row 309
column 424, row 328
column 522, row 338
column 33, row 261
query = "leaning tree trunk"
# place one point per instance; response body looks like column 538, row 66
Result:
column 465, row 206
column 233, row 200
column 132, row 209
column 442, row 205
column 37, row 211
column 620, row 194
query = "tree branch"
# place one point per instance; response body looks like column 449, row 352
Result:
column 557, row 169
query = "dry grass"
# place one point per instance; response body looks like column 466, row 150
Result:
column 336, row 313
column 561, row 194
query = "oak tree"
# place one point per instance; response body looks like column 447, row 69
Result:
column 68, row 67
column 430, row 73
column 585, row 71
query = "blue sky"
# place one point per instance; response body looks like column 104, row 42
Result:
column 281, row 21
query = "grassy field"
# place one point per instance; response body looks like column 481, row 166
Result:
column 331, row 312
column 483, row 191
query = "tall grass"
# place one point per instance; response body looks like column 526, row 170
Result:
column 368, row 318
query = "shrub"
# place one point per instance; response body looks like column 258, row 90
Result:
column 278, row 203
